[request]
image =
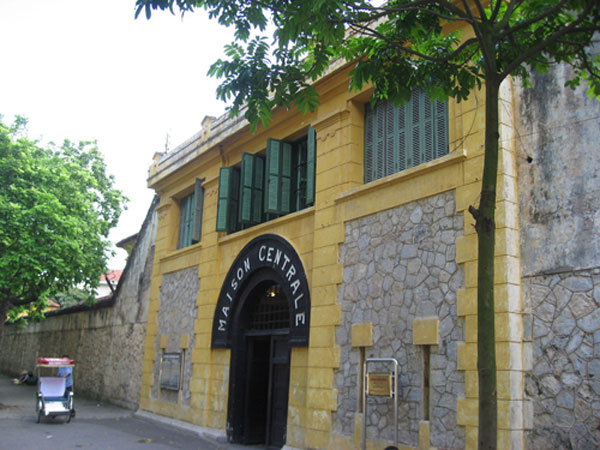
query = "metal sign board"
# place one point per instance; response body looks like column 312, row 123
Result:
column 379, row 384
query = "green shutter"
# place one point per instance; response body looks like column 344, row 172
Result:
column 311, row 156
column 180, row 236
column 258, row 187
column 186, row 217
column 198, row 208
column 278, row 177
column 375, row 142
column 251, row 189
column 227, row 202
column 404, row 136
column 441, row 128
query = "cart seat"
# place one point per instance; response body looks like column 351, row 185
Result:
column 52, row 389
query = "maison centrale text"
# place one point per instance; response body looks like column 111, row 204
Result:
column 282, row 259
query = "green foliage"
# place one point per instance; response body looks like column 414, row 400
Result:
column 398, row 46
column 57, row 206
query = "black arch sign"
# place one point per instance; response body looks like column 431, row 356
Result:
column 273, row 252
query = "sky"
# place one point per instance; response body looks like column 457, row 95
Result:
column 87, row 70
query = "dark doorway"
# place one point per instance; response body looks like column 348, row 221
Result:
column 260, row 367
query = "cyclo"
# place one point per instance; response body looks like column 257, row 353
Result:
column 52, row 397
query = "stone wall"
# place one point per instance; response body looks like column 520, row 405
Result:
column 106, row 341
column 565, row 381
column 559, row 196
column 175, row 319
column 400, row 265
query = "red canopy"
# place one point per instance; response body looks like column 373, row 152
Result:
column 43, row 361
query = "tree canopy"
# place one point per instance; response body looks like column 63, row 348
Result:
column 443, row 47
column 57, row 206
column 446, row 48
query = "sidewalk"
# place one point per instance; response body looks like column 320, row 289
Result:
column 97, row 425
column 18, row 401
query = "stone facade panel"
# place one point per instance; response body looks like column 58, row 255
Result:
column 401, row 265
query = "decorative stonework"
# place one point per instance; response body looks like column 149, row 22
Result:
column 400, row 265
column 175, row 319
column 564, row 384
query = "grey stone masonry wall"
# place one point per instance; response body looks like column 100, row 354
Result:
column 565, row 381
column 557, row 135
column 176, row 317
column 400, row 265
column 106, row 341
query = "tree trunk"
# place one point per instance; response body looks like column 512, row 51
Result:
column 485, row 226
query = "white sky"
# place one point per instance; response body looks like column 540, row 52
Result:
column 85, row 69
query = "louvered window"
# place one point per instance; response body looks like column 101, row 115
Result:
column 266, row 187
column 227, row 206
column 400, row 137
column 190, row 217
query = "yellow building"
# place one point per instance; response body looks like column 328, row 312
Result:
column 286, row 258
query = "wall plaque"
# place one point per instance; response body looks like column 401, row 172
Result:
column 379, row 384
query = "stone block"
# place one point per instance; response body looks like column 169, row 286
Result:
column 184, row 341
column 320, row 378
column 317, row 439
column 467, row 195
column 324, row 295
column 509, row 356
column 471, row 328
column 467, row 411
column 470, row 268
column 327, row 236
column 424, row 435
column 471, row 437
column 473, row 169
column 507, row 214
column 471, row 384
column 507, row 298
column 362, row 335
column 324, row 357
column 299, row 357
column 318, row 419
column 297, row 396
column 508, row 327
column 201, row 356
column 466, row 356
column 511, row 384
column 426, row 331
column 321, row 399
column 326, row 315
column 466, row 248
column 325, row 256
column 323, row 336
column 507, row 242
column 466, row 301
column 507, row 188
column 507, row 269
column 296, row 416
column 323, row 276
column 510, row 414
column 511, row 439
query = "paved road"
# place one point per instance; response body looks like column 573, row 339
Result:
column 96, row 426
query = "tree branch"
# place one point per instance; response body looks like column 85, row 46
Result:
column 481, row 9
column 446, row 59
column 531, row 21
column 549, row 41
column 476, row 28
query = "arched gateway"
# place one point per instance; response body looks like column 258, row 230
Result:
column 263, row 310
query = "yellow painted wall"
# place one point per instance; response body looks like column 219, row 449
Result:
column 316, row 233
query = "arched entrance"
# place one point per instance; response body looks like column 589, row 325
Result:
column 263, row 310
